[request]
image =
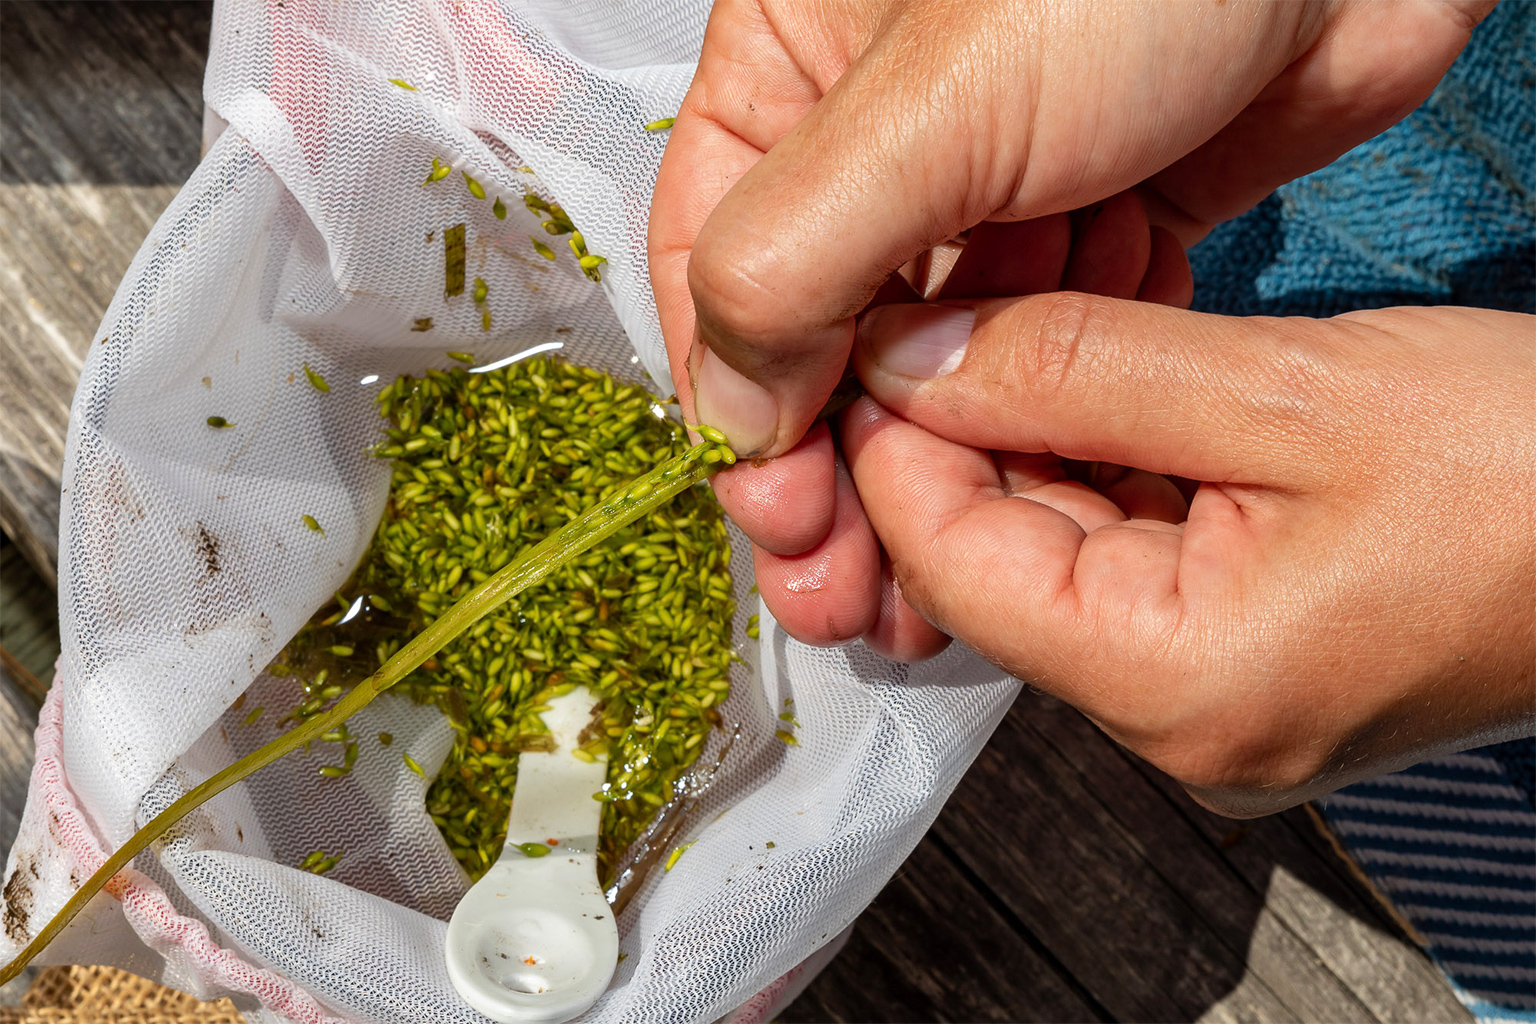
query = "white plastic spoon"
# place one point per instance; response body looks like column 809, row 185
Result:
column 534, row 941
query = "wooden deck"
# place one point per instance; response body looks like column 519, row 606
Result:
column 1065, row 880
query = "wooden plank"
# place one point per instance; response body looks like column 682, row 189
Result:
column 1307, row 889
column 29, row 620
column 1234, row 903
column 18, row 719
column 1089, row 850
column 29, row 635
column 28, row 631
column 107, row 93
column 931, row 948
column 100, row 121
column 1092, row 888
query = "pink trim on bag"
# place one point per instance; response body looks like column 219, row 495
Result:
column 148, row 909
column 766, row 1004
column 786, row 988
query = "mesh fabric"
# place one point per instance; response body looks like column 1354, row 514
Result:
column 306, row 237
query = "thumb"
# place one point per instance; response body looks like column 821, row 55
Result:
column 1221, row 399
column 805, row 238
column 954, row 113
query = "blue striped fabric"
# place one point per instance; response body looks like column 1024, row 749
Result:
column 1452, row 843
column 1441, row 209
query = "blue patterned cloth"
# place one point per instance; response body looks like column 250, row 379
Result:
column 1440, row 210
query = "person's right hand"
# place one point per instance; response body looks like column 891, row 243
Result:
column 822, row 146
column 1351, row 589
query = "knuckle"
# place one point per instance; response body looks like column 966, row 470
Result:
column 1297, row 384
column 1466, row 15
column 1293, row 397
column 733, row 295
column 1054, row 340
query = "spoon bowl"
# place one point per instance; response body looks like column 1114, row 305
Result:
column 535, row 940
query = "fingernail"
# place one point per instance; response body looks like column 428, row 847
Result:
column 918, row 341
column 746, row 413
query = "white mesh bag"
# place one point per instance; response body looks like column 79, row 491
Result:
column 305, row 236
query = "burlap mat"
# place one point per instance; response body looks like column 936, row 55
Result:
column 106, row 995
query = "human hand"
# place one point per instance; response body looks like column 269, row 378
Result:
column 822, row 146
column 1352, row 589
column 843, row 588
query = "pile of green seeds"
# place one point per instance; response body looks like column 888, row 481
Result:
column 486, row 464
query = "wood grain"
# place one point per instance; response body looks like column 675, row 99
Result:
column 1156, row 908
column 933, row 948
column 29, row 621
column 100, row 122
column 18, row 719
column 1307, row 888
column 29, row 641
column 1092, row 886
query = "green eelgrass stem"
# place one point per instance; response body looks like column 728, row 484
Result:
column 599, row 522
